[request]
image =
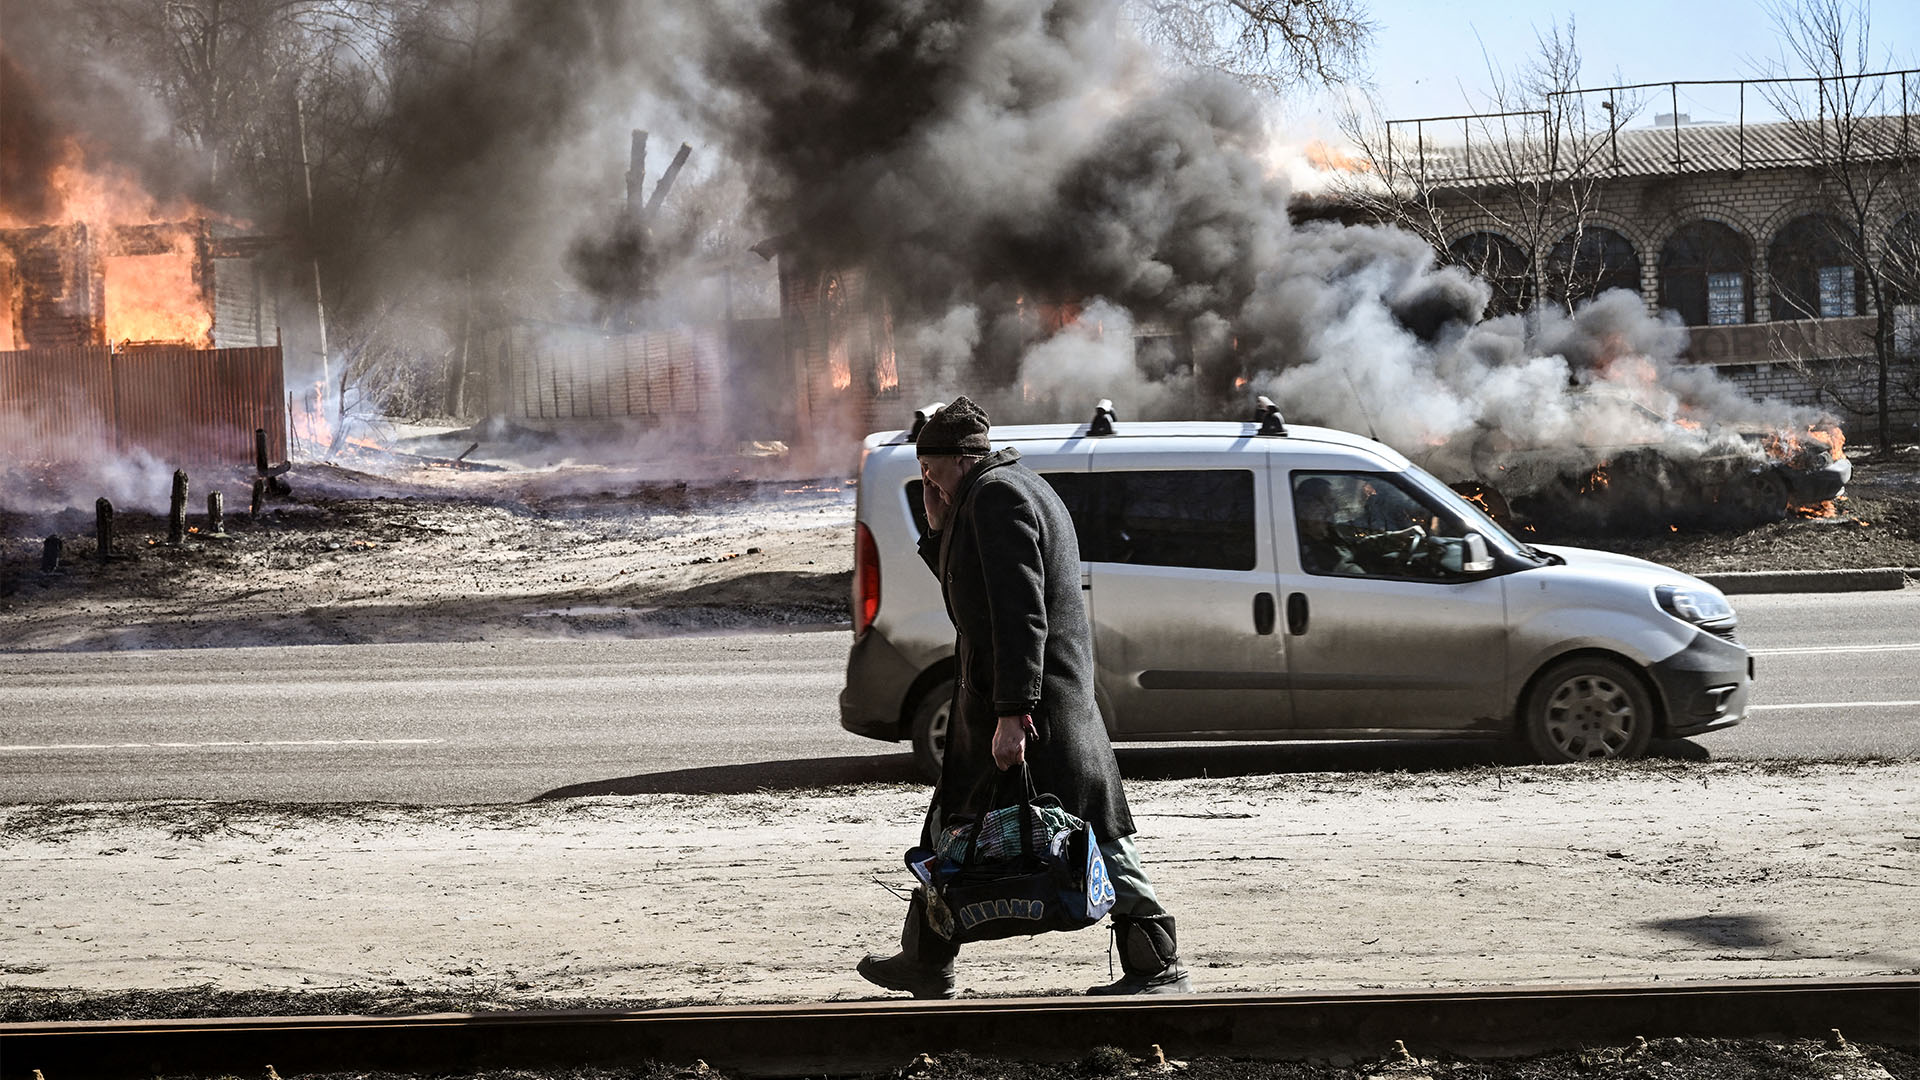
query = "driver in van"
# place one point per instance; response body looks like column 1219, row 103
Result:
column 1004, row 549
column 1330, row 544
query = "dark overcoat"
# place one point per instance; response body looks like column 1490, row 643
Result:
column 1009, row 568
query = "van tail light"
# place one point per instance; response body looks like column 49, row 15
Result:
column 866, row 579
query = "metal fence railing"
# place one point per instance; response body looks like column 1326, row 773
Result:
column 1745, row 123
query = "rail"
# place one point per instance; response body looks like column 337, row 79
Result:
column 853, row 1037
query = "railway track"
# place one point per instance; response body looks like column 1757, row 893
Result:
column 853, row 1037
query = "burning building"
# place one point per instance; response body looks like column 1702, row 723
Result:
column 173, row 283
column 124, row 325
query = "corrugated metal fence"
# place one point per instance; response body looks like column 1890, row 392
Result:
column 181, row 405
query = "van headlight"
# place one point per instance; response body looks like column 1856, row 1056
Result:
column 1701, row 607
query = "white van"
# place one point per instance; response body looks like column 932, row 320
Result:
column 1266, row 581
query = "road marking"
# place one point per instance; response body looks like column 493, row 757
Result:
column 223, row 742
column 1822, row 650
column 1837, row 705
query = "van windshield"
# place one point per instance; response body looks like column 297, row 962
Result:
column 1469, row 511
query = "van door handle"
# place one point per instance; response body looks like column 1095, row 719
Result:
column 1263, row 613
column 1296, row 613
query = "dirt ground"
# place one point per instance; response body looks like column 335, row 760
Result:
column 1668, row 870
column 431, row 554
column 427, row 555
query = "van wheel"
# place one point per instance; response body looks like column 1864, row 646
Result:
column 930, row 722
column 1589, row 708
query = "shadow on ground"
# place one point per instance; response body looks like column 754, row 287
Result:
column 1255, row 759
column 756, row 776
column 1136, row 763
column 1730, row 931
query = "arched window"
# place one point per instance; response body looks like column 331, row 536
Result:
column 1500, row 263
column 839, row 351
column 1816, row 270
column 1588, row 262
column 1903, row 282
column 1706, row 274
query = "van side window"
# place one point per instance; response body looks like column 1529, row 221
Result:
column 1369, row 525
column 1200, row 518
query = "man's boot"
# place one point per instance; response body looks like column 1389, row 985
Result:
column 924, row 965
column 1149, row 957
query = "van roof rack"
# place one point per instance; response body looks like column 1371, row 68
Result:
column 920, row 417
column 1102, row 422
column 1267, row 415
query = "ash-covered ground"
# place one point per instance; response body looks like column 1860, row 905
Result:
column 431, row 554
column 427, row 554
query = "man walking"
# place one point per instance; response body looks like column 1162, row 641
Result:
column 1004, row 549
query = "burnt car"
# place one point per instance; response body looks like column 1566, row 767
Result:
column 1631, row 468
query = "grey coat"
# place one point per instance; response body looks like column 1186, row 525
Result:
column 1009, row 568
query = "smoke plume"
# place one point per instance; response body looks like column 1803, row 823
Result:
column 985, row 156
column 985, row 162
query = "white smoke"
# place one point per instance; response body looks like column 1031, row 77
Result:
column 1095, row 357
column 946, row 348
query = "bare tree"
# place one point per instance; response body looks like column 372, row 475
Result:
column 1868, row 168
column 214, row 63
column 1524, row 170
column 1270, row 45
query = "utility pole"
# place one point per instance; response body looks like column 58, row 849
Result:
column 319, row 296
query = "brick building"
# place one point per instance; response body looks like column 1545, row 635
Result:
column 1747, row 232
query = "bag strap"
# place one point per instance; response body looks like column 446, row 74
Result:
column 1026, row 813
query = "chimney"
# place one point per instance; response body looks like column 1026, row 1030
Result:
column 636, row 174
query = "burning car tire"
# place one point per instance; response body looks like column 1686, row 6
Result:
column 1758, row 499
column 930, row 721
column 1588, row 708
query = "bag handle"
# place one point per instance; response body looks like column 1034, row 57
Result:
column 1026, row 814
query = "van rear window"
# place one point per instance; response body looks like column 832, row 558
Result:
column 1199, row 518
column 1075, row 489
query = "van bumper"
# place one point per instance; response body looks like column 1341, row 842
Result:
column 878, row 678
column 1704, row 686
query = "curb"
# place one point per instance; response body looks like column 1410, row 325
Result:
column 1808, row 581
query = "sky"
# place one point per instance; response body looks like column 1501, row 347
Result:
column 1431, row 58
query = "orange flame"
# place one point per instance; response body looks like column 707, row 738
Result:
column 149, row 260
column 310, row 426
column 153, row 298
column 886, row 366
column 1333, row 159
column 1786, row 445
column 99, row 197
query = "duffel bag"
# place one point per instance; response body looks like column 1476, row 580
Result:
column 1055, row 880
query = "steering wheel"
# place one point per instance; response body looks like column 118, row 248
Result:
column 1415, row 537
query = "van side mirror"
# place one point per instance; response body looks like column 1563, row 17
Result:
column 1478, row 561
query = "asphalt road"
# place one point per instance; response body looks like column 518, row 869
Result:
column 471, row 723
